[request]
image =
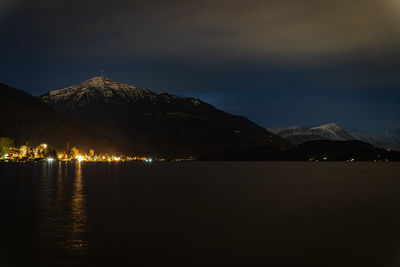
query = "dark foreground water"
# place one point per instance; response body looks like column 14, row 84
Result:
column 200, row 214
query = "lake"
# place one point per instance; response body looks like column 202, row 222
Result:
column 200, row 214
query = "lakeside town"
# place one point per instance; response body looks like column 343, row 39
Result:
column 10, row 153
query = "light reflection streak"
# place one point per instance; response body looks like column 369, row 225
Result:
column 63, row 214
column 78, row 214
column 46, row 226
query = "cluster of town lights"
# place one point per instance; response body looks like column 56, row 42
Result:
column 43, row 152
column 98, row 158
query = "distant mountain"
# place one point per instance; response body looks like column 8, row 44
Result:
column 321, row 150
column 161, row 123
column 387, row 141
column 297, row 135
column 25, row 118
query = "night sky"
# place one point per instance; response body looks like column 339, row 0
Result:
column 280, row 63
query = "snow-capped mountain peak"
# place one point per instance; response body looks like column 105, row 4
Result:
column 99, row 80
column 330, row 131
column 101, row 90
column 97, row 88
column 157, row 122
column 330, row 127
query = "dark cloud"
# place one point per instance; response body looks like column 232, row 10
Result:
column 286, row 30
column 248, row 57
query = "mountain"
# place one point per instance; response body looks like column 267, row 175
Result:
column 390, row 140
column 26, row 118
column 297, row 135
column 160, row 123
column 321, row 150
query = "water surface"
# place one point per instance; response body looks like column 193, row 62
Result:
column 200, row 214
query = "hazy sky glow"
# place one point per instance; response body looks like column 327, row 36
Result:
column 284, row 62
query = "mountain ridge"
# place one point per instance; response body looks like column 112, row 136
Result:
column 26, row 118
column 297, row 135
column 162, row 123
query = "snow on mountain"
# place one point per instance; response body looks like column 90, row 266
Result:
column 102, row 90
column 158, row 122
column 387, row 141
column 330, row 127
column 330, row 131
column 98, row 88
column 25, row 118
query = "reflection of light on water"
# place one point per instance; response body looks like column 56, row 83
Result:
column 78, row 213
column 63, row 215
column 59, row 204
column 47, row 228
